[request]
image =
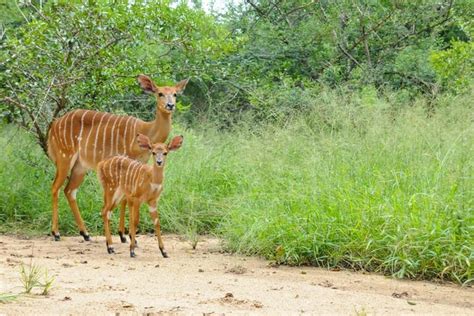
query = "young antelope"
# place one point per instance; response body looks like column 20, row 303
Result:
column 139, row 183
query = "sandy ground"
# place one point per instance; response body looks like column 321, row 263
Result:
column 204, row 281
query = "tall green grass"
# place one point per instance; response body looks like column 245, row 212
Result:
column 341, row 183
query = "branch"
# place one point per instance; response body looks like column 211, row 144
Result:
column 300, row 7
column 446, row 18
column 39, row 133
column 412, row 78
column 260, row 12
column 345, row 52
column 107, row 45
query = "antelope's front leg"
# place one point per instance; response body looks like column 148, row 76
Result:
column 134, row 208
column 156, row 221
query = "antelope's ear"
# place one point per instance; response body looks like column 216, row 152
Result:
column 143, row 141
column 146, row 84
column 181, row 85
column 175, row 143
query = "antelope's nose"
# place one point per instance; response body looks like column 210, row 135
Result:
column 159, row 162
column 170, row 106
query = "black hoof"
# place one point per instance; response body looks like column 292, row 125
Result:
column 110, row 250
column 85, row 236
column 123, row 239
column 165, row 255
column 56, row 236
column 132, row 254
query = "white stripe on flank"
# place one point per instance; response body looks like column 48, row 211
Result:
column 126, row 175
column 60, row 123
column 64, row 129
column 117, row 170
column 132, row 177
column 55, row 131
column 71, row 136
column 90, row 132
column 80, row 131
column 134, row 134
column 111, row 151
column 97, row 136
column 104, row 134
column 119, row 136
column 125, row 136
column 58, row 132
column 137, row 175
column 111, row 163
column 136, row 184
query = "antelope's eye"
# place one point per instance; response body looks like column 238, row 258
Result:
column 161, row 95
column 153, row 153
column 174, row 95
column 165, row 154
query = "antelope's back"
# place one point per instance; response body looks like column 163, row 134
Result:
column 91, row 137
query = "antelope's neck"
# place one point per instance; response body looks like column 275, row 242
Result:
column 157, row 174
column 159, row 129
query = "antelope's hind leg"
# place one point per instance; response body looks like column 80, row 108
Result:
column 134, row 208
column 77, row 177
column 61, row 175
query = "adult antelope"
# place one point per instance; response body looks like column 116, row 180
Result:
column 80, row 139
column 140, row 183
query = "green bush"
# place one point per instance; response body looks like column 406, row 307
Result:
column 455, row 66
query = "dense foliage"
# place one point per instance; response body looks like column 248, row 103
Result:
column 67, row 55
column 331, row 133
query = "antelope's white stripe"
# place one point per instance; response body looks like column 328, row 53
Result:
column 133, row 135
column 80, row 131
column 126, row 175
column 117, row 170
column 97, row 136
column 66, row 144
column 71, row 136
column 104, row 134
column 118, row 136
column 137, row 176
column 60, row 124
column 111, row 163
column 90, row 132
column 132, row 178
column 112, row 136
column 125, row 136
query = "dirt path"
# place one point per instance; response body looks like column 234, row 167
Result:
column 204, row 281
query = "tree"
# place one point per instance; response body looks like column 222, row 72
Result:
column 88, row 55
